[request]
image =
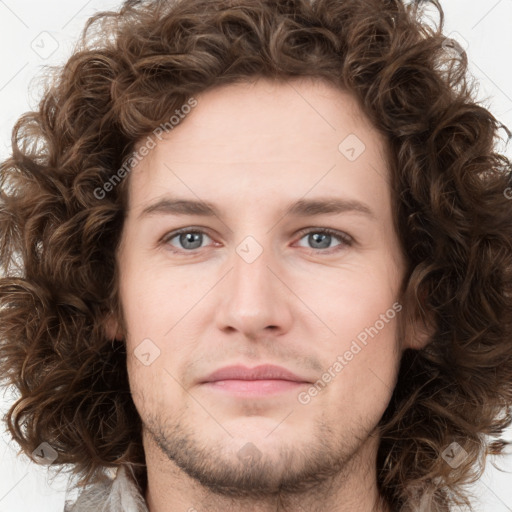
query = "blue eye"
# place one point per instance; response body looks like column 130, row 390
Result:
column 189, row 240
column 320, row 239
column 326, row 237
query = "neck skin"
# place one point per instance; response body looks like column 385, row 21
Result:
column 170, row 489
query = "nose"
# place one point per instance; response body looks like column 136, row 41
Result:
column 255, row 301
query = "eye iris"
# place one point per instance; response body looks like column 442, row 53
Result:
column 187, row 238
column 320, row 237
column 193, row 240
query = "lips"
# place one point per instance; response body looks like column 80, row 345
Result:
column 263, row 372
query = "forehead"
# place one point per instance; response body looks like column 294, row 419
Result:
column 266, row 137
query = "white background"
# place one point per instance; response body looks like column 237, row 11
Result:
column 34, row 34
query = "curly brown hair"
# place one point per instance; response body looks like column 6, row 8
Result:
column 132, row 68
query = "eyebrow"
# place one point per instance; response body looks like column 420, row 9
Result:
column 300, row 208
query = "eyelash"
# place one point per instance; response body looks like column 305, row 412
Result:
column 345, row 239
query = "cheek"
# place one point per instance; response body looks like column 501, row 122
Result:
column 152, row 386
column 358, row 380
column 360, row 359
column 357, row 302
column 153, row 306
column 151, row 303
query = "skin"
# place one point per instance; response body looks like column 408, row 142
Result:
column 251, row 149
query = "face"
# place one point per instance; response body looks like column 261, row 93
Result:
column 259, row 232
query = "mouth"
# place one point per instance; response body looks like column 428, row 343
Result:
column 259, row 381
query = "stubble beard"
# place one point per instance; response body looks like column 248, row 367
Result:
column 251, row 473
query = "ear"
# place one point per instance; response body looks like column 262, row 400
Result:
column 419, row 327
column 112, row 328
column 418, row 334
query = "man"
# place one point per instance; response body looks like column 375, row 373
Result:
column 265, row 262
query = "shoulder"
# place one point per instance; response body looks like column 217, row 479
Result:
column 119, row 494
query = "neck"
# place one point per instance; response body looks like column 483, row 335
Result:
column 354, row 487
